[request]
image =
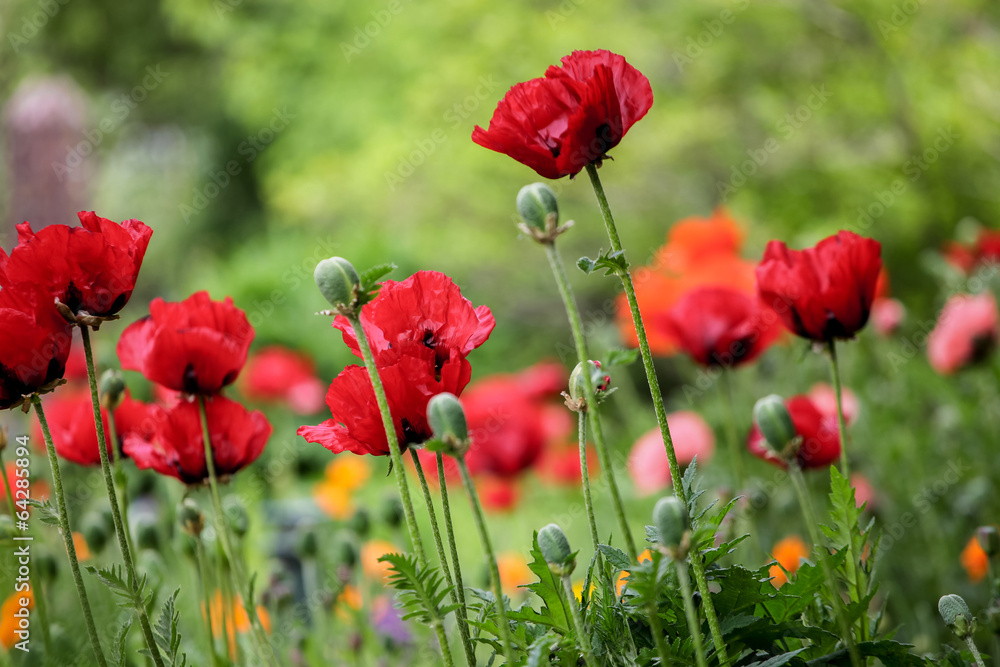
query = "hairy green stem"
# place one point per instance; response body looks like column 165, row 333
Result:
column 81, row 590
column 491, row 558
column 593, row 415
column 463, row 618
column 390, row 434
column 974, row 650
column 661, row 414
column 578, row 626
column 692, row 615
column 585, row 478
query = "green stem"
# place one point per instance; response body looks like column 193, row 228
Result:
column 88, row 616
column 239, row 581
column 585, row 478
column 736, row 451
column 975, row 651
column 120, row 481
column 390, row 434
column 661, row 413
column 692, row 615
column 206, row 597
column 439, row 544
column 841, row 422
column 463, row 619
column 656, row 629
column 578, row 626
column 484, row 537
column 799, row 482
column 116, row 517
column 593, row 415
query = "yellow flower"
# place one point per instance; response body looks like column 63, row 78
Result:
column 236, row 618
column 9, row 623
column 344, row 475
column 514, row 572
column 370, row 553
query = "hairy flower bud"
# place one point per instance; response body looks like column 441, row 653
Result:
column 774, row 421
column 956, row 615
column 338, row 282
column 538, row 207
column 555, row 550
column 112, row 386
column 670, row 517
column 600, row 381
column 147, row 534
column 391, row 511
column 447, row 420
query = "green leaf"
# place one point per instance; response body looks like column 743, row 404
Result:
column 889, row 652
column 166, row 634
column 613, row 263
column 46, row 511
column 586, row 265
column 778, row 660
column 370, row 277
column 119, row 652
column 548, row 589
column 422, row 590
column 616, row 557
column 620, row 357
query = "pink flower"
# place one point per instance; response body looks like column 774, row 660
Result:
column 966, row 332
column 887, row 315
column 647, row 463
column 864, row 492
column 825, row 400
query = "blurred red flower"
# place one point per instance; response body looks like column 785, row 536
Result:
column 196, row 346
column 560, row 464
column 278, row 374
column 975, row 561
column 721, row 326
column 820, row 439
column 571, row 117
column 647, row 462
column 92, row 268
column 176, row 447
column 34, row 344
column 497, row 494
column 966, row 332
column 965, row 257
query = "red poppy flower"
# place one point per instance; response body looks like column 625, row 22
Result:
column 820, row 439
column 571, row 117
column 560, row 464
column 824, row 292
column 720, row 326
column 176, row 447
column 197, row 346
column 410, row 382
column 91, row 269
column 276, row 373
column 34, row 344
column 425, row 310
column 966, row 256
column 965, row 333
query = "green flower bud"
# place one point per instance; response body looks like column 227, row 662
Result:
column 555, row 550
column 95, row 531
column 538, row 207
column 190, row 517
column 338, row 281
column 774, row 421
column 956, row 615
column 360, row 523
column 447, row 420
column 989, row 540
column 391, row 511
column 578, row 388
column 670, row 517
column 147, row 535
column 112, row 388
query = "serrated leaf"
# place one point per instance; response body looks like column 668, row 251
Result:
column 119, row 653
column 548, row 589
column 166, row 634
column 422, row 589
column 46, row 511
column 889, row 652
column 613, row 263
column 586, row 265
column 615, row 557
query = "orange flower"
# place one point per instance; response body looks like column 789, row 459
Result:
column 236, row 619
column 10, row 621
column 975, row 561
column 81, row 546
column 623, row 575
column 370, row 553
column 514, row 572
column 344, row 474
column 789, row 553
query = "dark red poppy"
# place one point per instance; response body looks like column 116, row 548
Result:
column 278, row 374
column 824, row 292
column 91, row 269
column 721, row 326
column 571, row 117
column 34, row 344
column 410, row 382
column 820, row 439
column 196, row 346
column 176, row 447
column 427, row 310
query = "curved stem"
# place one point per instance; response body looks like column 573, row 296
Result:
column 593, row 414
column 838, row 604
column 390, row 434
column 484, row 537
column 74, row 564
column 439, row 545
column 692, row 615
column 463, row 619
column 585, row 478
column 974, row 650
column 578, row 626
column 661, row 413
column 116, row 517
column 237, row 577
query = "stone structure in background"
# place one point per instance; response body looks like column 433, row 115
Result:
column 49, row 160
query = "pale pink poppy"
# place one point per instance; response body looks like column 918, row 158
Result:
column 864, row 492
column 825, row 400
column 966, row 332
column 647, row 463
column 887, row 315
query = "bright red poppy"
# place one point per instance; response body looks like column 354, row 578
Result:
column 34, row 345
column 965, row 257
column 278, row 374
column 91, row 269
column 571, row 117
column 721, row 326
column 176, row 447
column 820, row 439
column 825, row 292
column 966, row 332
column 197, row 346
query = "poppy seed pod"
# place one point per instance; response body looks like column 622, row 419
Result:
column 538, row 207
column 556, row 551
column 190, row 517
column 956, row 615
column 774, row 421
column 337, row 281
column 447, row 419
column 112, row 388
column 671, row 520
